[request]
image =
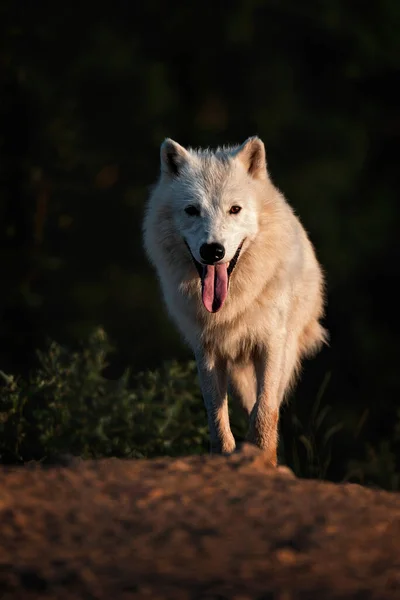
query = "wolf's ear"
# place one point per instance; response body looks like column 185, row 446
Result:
column 252, row 155
column 173, row 157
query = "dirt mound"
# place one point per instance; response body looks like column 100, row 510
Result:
column 200, row 528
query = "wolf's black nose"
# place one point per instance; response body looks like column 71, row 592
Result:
column 212, row 253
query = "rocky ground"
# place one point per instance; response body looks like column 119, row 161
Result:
column 200, row 528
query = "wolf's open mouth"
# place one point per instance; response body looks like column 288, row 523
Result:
column 215, row 280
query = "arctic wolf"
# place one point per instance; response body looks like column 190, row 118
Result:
column 240, row 279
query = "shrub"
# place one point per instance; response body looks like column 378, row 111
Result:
column 68, row 406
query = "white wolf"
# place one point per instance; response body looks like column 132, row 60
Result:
column 240, row 279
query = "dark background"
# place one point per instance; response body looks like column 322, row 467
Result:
column 89, row 91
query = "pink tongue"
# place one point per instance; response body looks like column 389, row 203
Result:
column 215, row 286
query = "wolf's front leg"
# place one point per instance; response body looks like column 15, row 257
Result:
column 213, row 382
column 263, row 427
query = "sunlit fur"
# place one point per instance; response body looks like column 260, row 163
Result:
column 270, row 319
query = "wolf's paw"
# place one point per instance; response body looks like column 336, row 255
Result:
column 284, row 470
column 226, row 447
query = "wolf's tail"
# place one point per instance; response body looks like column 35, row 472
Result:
column 312, row 339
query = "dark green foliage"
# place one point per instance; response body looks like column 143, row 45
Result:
column 68, row 406
column 380, row 466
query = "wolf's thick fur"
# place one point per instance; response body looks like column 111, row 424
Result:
column 270, row 317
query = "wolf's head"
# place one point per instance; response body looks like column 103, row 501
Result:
column 215, row 207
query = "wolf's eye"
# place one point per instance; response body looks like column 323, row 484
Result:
column 192, row 211
column 235, row 210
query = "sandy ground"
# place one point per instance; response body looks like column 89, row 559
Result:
column 200, row 528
